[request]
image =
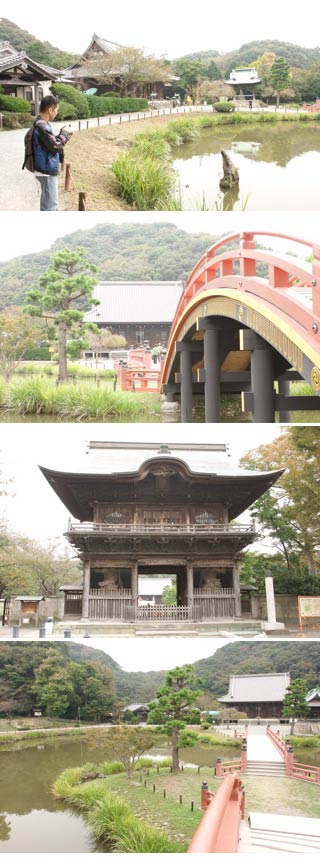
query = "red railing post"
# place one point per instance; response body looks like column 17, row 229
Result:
column 219, row 828
column 244, row 756
column 247, row 265
column 289, row 761
column 316, row 280
column 206, row 796
column 219, row 769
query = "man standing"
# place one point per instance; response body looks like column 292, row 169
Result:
column 48, row 153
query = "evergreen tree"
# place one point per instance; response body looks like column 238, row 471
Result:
column 66, row 293
column 280, row 76
column 294, row 703
column 174, row 708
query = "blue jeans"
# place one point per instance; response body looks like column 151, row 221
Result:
column 49, row 193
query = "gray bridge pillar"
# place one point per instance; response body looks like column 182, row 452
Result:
column 211, row 355
column 185, row 350
column 284, row 389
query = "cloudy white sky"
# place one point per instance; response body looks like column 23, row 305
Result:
column 32, row 508
column 161, row 654
column 29, row 232
column 171, row 28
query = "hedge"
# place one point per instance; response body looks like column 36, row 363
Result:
column 69, row 94
column 16, row 121
column 13, row 103
column 102, row 105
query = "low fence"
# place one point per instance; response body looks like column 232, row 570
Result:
column 134, row 380
column 120, row 605
column 233, row 766
column 297, row 770
column 219, row 829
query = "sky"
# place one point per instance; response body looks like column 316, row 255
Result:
column 163, row 653
column 31, row 506
column 168, row 29
column 28, row 232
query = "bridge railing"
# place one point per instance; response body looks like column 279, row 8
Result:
column 233, row 766
column 219, row 829
column 297, row 770
column 283, row 272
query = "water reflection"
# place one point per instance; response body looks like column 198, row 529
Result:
column 279, row 167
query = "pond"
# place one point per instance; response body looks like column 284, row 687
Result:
column 279, row 167
column 31, row 819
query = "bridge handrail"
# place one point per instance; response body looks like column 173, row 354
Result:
column 219, row 828
column 210, row 257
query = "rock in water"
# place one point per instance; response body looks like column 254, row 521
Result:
column 230, row 172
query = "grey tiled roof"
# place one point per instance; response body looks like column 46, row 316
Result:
column 269, row 687
column 135, row 302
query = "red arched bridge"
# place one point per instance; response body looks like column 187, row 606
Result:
column 248, row 322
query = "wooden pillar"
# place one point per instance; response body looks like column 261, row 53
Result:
column 262, row 375
column 134, row 586
column 190, row 584
column 211, row 355
column 36, row 99
column 86, row 589
column 236, row 589
column 186, row 384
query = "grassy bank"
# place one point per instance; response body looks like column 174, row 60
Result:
column 93, row 153
column 164, row 802
column 75, row 403
column 51, row 369
column 10, row 737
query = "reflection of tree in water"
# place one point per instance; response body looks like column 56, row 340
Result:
column 5, row 828
column 280, row 141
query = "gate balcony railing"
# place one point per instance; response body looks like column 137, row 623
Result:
column 177, row 528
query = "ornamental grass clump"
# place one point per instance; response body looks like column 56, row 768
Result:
column 143, row 182
column 187, row 129
column 134, row 836
column 151, row 144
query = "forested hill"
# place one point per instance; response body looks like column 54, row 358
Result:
column 296, row 55
column 19, row 663
column 44, row 52
column 149, row 252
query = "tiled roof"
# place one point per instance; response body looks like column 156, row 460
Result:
column 135, row 302
column 268, row 687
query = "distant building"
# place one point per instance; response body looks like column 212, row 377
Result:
column 258, row 695
column 244, row 81
column 138, row 710
column 313, row 700
column 81, row 74
column 23, row 77
column 138, row 310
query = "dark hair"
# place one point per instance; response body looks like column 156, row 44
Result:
column 48, row 102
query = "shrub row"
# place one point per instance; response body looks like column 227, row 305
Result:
column 100, row 106
column 16, row 121
column 75, row 105
column 13, row 103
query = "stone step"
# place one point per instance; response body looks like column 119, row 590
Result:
column 281, row 842
column 299, row 839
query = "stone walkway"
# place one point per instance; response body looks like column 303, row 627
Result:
column 261, row 749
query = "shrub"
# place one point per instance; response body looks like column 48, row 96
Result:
column 67, row 111
column 69, row 94
column 13, row 103
column 100, row 106
column 16, row 121
column 224, row 107
column 115, row 767
column 187, row 129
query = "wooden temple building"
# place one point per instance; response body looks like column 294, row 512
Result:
column 258, row 695
column 24, row 77
column 244, row 82
column 145, row 509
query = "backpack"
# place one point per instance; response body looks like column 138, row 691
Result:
column 28, row 148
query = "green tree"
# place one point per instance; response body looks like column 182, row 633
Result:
column 53, row 686
column 26, row 566
column 174, row 708
column 18, row 333
column 280, row 76
column 289, row 512
column 124, row 743
column 294, row 702
column 169, row 595
column 66, row 292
